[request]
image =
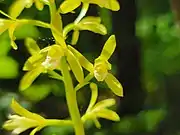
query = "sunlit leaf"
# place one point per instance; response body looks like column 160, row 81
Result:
column 75, row 66
column 108, row 48
column 29, row 77
column 17, row 108
column 93, row 25
column 109, row 4
column 108, row 114
column 94, row 95
column 103, row 104
column 75, row 37
column 69, row 5
column 82, row 60
column 114, row 85
column 8, row 67
column 32, row 46
column 18, row 6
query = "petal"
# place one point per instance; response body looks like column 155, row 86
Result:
column 114, row 85
column 39, row 5
column 109, row 4
column 17, row 108
column 92, row 24
column 4, row 25
column 75, row 37
column 69, row 5
column 32, row 46
column 29, row 77
column 35, row 130
column 103, row 104
column 108, row 114
column 75, row 66
column 82, row 60
column 56, row 22
column 108, row 48
column 94, row 95
column 11, row 35
column 18, row 6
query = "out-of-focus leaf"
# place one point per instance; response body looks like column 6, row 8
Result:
column 108, row 48
column 29, row 77
column 108, row 114
column 4, row 44
column 69, row 5
column 75, row 37
column 36, row 93
column 18, row 6
column 75, row 66
column 8, row 67
column 92, row 24
column 82, row 60
column 94, row 95
column 114, row 85
column 25, row 31
column 31, row 45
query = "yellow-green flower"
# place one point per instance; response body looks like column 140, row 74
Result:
column 23, row 120
column 101, row 66
column 70, row 5
column 47, row 59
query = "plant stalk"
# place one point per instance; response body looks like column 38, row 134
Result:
column 71, row 99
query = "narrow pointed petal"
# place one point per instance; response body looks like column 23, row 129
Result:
column 103, row 104
column 114, row 85
column 108, row 114
column 108, row 48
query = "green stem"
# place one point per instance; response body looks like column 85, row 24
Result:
column 83, row 12
column 56, row 122
column 71, row 99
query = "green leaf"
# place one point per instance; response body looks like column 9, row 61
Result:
column 31, row 45
column 108, row 114
column 17, row 108
column 4, row 25
column 103, row 104
column 18, row 6
column 82, row 60
column 8, row 67
column 75, row 66
column 94, row 95
column 109, row 4
column 29, row 77
column 36, row 93
column 68, row 6
column 114, row 85
column 92, row 24
column 26, row 30
column 4, row 44
column 108, row 48
column 75, row 37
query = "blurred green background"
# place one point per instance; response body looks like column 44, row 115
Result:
column 151, row 107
